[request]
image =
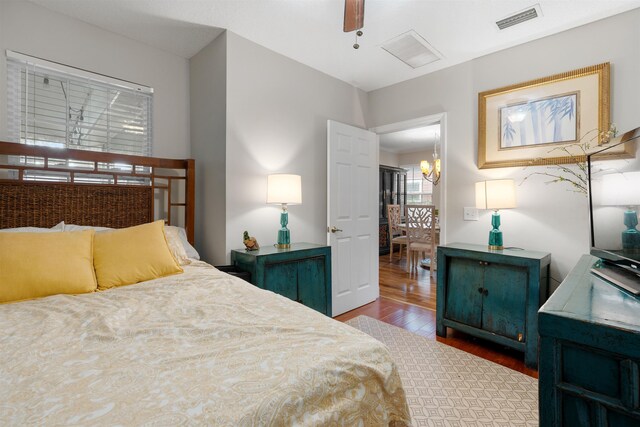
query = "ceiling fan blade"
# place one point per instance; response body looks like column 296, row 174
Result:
column 353, row 15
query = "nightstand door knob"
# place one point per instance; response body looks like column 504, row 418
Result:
column 480, row 290
column 485, row 292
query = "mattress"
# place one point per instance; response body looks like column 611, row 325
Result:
column 199, row 348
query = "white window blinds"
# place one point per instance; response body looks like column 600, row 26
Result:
column 58, row 106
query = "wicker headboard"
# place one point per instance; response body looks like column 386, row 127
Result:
column 41, row 186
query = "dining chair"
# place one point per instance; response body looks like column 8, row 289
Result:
column 421, row 234
column 396, row 231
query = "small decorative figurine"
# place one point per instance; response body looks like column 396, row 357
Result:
column 250, row 242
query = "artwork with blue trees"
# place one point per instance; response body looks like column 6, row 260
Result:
column 544, row 121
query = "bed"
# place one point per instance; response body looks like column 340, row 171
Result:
column 197, row 348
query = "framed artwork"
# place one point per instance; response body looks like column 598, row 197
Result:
column 542, row 122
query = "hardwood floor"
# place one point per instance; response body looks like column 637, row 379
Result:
column 409, row 301
column 415, row 288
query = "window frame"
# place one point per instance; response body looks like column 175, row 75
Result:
column 414, row 174
column 114, row 134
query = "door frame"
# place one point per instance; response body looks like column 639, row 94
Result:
column 425, row 121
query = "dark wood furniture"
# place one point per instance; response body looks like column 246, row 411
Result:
column 493, row 295
column 393, row 191
column 233, row 271
column 589, row 353
column 301, row 273
column 42, row 186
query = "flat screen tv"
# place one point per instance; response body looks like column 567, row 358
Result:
column 614, row 202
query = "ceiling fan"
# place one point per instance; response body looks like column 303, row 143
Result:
column 354, row 18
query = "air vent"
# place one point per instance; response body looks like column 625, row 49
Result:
column 412, row 49
column 520, row 17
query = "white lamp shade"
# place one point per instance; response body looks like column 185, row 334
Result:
column 621, row 189
column 284, row 188
column 496, row 194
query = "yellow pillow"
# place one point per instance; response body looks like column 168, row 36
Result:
column 36, row 265
column 132, row 255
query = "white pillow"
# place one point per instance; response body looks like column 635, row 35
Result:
column 189, row 250
column 175, row 236
column 174, row 242
column 74, row 227
column 55, row 229
column 172, row 232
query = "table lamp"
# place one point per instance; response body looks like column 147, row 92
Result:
column 496, row 194
column 284, row 189
column 623, row 189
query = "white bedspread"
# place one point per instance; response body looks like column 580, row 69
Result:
column 200, row 348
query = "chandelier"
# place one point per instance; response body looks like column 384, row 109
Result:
column 431, row 171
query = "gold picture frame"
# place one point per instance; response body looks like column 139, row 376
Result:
column 541, row 121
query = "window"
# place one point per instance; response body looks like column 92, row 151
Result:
column 419, row 190
column 58, row 106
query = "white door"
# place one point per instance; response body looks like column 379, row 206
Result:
column 352, row 215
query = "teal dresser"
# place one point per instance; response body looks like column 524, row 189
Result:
column 301, row 273
column 493, row 295
column 589, row 353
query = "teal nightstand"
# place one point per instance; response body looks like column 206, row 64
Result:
column 493, row 295
column 301, row 273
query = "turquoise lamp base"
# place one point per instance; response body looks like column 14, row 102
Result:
column 495, row 235
column 284, row 239
column 495, row 240
column 284, row 235
column 631, row 236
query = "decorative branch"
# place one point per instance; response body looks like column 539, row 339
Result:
column 567, row 173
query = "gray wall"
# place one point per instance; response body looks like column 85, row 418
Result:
column 37, row 31
column 277, row 111
column 256, row 112
column 548, row 217
column 208, row 81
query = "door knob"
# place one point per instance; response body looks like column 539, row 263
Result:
column 334, row 229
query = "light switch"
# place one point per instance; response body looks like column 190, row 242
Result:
column 470, row 214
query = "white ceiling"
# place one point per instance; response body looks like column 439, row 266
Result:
column 310, row 31
column 410, row 140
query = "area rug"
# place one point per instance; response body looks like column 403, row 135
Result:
column 447, row 387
